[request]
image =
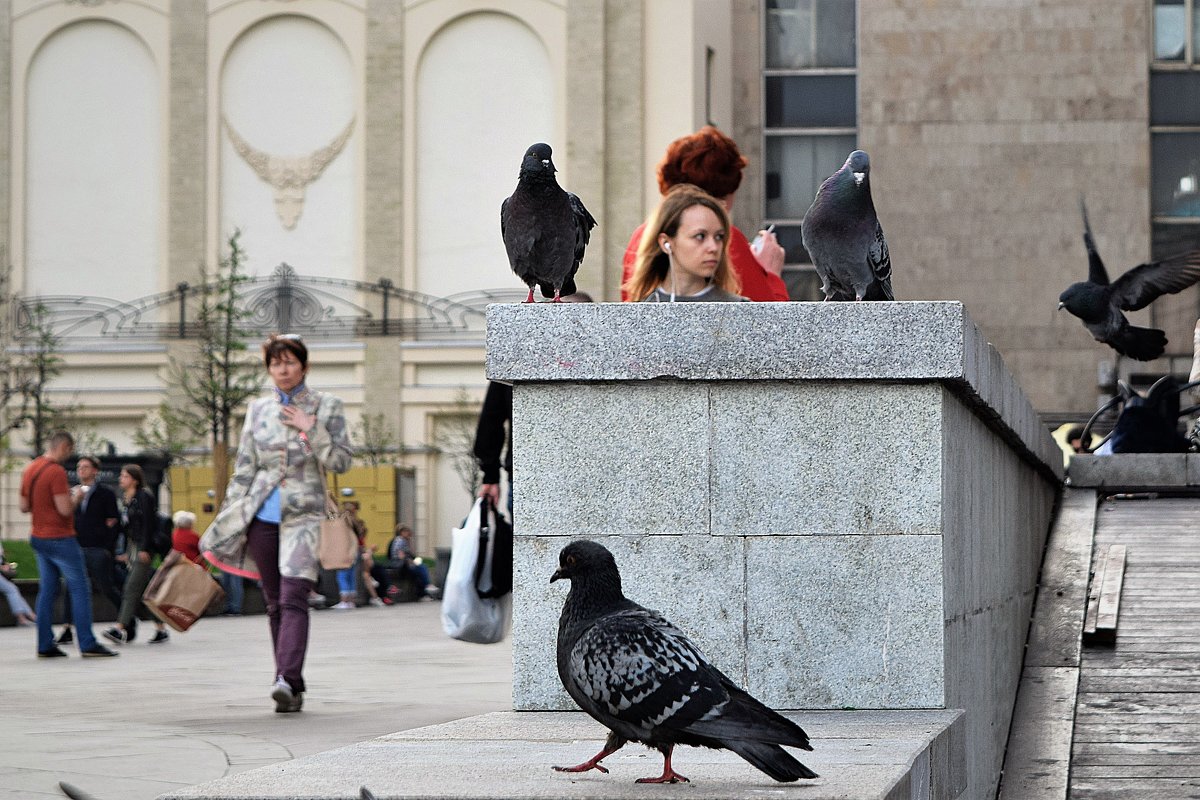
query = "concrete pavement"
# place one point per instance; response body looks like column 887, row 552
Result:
column 164, row 717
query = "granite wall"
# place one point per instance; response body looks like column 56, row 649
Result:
column 843, row 504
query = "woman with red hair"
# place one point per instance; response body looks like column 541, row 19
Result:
column 711, row 160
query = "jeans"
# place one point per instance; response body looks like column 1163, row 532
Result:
column 345, row 579
column 62, row 558
column 287, row 604
column 234, row 591
column 15, row 601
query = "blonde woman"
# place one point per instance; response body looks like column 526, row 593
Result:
column 684, row 252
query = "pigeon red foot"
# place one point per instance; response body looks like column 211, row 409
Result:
column 669, row 775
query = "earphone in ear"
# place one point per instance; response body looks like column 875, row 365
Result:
column 667, row 247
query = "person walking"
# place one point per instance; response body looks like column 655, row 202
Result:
column 141, row 517
column 46, row 496
column 270, row 520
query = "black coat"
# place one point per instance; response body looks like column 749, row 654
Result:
column 141, row 520
column 90, row 527
column 494, row 434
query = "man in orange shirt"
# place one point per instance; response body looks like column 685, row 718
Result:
column 46, row 495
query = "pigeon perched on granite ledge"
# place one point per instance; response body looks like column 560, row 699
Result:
column 844, row 238
column 545, row 228
column 1099, row 303
column 643, row 679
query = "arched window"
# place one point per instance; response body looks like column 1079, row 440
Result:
column 484, row 94
column 289, row 148
column 94, row 165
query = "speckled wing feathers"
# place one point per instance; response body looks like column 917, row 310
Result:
column 636, row 668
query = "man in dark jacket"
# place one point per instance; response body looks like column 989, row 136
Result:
column 96, row 518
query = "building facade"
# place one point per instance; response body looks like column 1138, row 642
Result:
column 367, row 145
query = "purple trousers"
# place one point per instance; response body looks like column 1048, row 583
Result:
column 287, row 604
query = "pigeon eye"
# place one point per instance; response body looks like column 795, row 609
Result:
column 569, row 561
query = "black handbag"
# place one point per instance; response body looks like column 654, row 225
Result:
column 494, row 566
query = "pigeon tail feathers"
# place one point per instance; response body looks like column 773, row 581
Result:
column 745, row 718
column 1141, row 344
column 771, row 759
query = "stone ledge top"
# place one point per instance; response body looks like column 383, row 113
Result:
column 900, row 341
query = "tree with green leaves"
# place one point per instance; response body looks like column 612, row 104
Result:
column 42, row 364
column 15, row 380
column 375, row 440
column 221, row 377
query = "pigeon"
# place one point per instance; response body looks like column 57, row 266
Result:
column 1099, row 303
column 545, row 228
column 843, row 237
column 642, row 678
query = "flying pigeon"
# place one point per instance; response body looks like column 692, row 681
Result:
column 545, row 228
column 1099, row 303
column 643, row 679
column 844, row 238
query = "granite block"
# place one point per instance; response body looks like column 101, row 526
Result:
column 602, row 459
column 1193, row 469
column 907, row 341
column 1129, row 471
column 810, row 458
column 845, row 621
column 697, row 582
column 721, row 341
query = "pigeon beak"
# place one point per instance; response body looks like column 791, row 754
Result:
column 558, row 575
column 859, row 177
column 1061, row 306
column 545, row 162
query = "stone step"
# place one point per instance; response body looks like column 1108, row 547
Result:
column 860, row 755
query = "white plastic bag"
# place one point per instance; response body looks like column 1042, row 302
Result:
column 465, row 615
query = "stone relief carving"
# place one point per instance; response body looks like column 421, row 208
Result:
column 289, row 176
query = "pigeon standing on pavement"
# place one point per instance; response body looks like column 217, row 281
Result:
column 1099, row 303
column 843, row 236
column 643, row 679
column 545, row 228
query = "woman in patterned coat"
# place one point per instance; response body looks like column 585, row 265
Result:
column 270, row 520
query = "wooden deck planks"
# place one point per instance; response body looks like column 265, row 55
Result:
column 1137, row 724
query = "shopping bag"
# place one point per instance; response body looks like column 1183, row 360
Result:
column 180, row 592
column 466, row 615
column 494, row 567
column 338, row 546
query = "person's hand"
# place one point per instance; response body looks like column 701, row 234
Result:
column 298, row 419
column 492, row 492
column 771, row 255
column 144, row 556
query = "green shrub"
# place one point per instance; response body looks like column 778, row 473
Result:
column 22, row 553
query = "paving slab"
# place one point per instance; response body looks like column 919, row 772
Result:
column 858, row 754
column 163, row 717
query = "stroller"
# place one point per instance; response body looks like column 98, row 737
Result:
column 1149, row 423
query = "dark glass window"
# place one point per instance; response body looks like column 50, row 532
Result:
column 805, row 161
column 811, row 101
column 1175, row 97
column 1175, row 127
column 810, row 113
column 810, row 33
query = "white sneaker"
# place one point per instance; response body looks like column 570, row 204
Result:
column 375, row 601
column 345, row 604
column 285, row 699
